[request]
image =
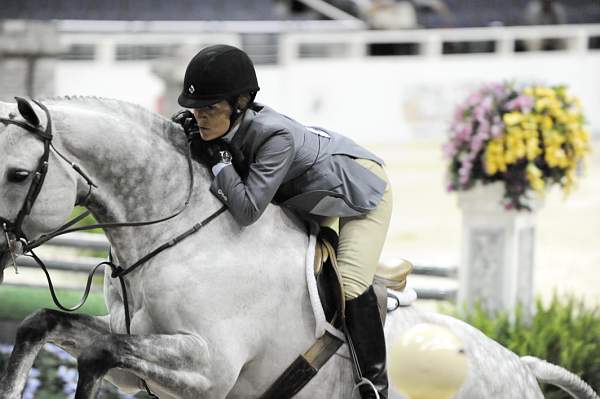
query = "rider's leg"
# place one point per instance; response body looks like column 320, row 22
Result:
column 360, row 243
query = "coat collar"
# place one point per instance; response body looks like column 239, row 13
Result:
column 247, row 119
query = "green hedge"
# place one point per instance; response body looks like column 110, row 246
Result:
column 18, row 302
column 87, row 221
column 565, row 332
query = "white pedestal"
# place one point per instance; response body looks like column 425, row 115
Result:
column 498, row 251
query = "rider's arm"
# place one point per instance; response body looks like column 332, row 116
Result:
column 247, row 200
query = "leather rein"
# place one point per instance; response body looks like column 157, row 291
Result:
column 14, row 229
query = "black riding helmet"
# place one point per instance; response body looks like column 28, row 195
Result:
column 217, row 73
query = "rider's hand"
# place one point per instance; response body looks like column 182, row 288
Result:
column 211, row 152
column 186, row 119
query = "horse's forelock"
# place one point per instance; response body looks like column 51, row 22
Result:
column 6, row 109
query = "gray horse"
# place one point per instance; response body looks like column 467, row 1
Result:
column 221, row 314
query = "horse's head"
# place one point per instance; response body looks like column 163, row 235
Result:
column 22, row 152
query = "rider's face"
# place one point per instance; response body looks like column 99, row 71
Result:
column 213, row 120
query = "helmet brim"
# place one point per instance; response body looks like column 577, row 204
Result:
column 188, row 102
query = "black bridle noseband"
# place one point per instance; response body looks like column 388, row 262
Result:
column 14, row 229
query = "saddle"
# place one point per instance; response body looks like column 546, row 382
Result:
column 329, row 279
column 331, row 293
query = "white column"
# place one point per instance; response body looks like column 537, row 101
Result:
column 498, row 251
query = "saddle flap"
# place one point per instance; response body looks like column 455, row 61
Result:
column 329, row 280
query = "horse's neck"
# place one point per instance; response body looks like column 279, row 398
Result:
column 141, row 173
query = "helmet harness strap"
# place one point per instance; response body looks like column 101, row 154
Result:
column 236, row 111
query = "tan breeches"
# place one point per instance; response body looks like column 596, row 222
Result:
column 361, row 239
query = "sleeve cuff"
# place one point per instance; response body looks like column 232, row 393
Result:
column 219, row 167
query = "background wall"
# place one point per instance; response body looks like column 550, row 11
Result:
column 372, row 99
column 378, row 100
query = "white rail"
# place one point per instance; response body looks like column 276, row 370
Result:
column 429, row 42
column 98, row 242
column 292, row 37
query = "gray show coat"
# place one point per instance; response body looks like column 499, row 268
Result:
column 310, row 170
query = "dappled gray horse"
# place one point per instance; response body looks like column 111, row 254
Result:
column 221, row 314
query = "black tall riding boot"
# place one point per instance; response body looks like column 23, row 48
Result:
column 366, row 333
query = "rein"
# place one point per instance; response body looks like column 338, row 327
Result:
column 14, row 229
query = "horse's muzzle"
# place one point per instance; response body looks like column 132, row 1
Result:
column 8, row 257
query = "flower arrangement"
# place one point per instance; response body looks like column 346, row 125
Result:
column 527, row 138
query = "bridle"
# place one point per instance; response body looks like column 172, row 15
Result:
column 14, row 229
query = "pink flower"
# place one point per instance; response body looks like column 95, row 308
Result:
column 474, row 99
column 522, row 103
column 501, row 90
column 462, row 132
column 449, row 150
column 479, row 113
column 465, row 171
column 483, row 129
column 476, row 145
column 459, row 113
column 497, row 130
column 497, row 126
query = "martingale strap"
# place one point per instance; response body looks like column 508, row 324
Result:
column 307, row 365
column 304, row 368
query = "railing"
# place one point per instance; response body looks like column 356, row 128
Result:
column 433, row 43
column 286, row 43
column 97, row 242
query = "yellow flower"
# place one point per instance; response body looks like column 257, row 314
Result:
column 512, row 118
column 561, row 91
column 557, row 157
column 560, row 115
column 490, row 167
column 530, row 134
column 552, row 138
column 534, row 176
column 542, row 91
column 533, row 149
column 529, row 123
column 494, row 156
column 572, row 118
column 568, row 182
column 510, row 157
column 547, row 122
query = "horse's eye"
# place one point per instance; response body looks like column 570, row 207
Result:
column 17, row 175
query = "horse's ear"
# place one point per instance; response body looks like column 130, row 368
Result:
column 27, row 112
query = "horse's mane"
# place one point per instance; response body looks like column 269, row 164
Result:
column 130, row 111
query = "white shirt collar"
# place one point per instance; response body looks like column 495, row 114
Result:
column 229, row 136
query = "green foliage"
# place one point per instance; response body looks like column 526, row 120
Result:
column 565, row 332
column 18, row 302
column 87, row 221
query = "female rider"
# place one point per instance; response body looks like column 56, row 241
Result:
column 315, row 172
